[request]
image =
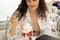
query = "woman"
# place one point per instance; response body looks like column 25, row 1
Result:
column 36, row 12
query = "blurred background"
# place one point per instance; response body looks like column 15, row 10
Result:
column 7, row 7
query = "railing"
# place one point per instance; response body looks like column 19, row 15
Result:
column 4, row 25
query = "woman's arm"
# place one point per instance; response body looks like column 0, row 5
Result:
column 14, row 23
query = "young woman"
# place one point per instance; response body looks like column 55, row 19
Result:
column 33, row 12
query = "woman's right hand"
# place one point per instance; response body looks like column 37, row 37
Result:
column 14, row 23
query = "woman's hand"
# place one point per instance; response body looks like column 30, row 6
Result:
column 14, row 23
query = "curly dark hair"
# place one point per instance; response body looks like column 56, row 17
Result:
column 22, row 9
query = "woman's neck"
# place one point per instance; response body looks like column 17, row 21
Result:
column 33, row 11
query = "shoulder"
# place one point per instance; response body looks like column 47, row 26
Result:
column 15, row 14
column 52, row 9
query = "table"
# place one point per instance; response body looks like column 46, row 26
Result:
column 46, row 37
